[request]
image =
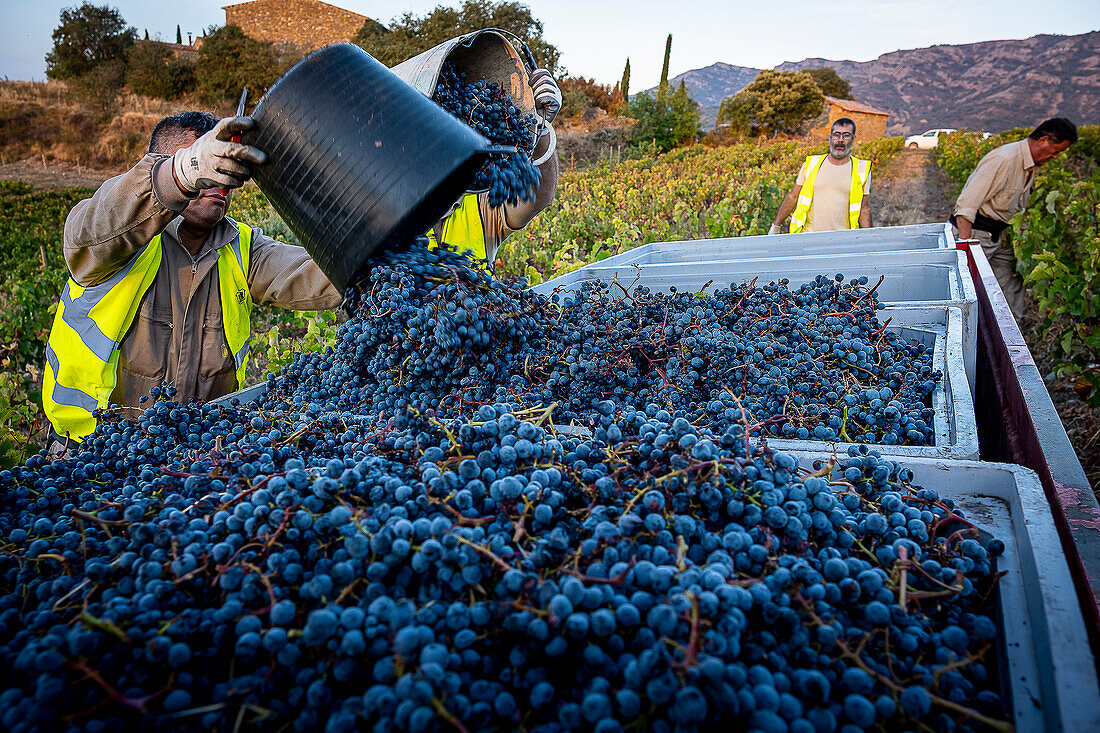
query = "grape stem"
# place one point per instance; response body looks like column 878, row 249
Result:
column 617, row 580
column 447, row 715
column 999, row 725
column 104, row 625
column 103, row 522
column 485, row 551
column 903, row 564
column 130, row 702
column 691, row 656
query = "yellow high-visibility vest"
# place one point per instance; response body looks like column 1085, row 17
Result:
column 861, row 169
column 82, row 352
column 463, row 230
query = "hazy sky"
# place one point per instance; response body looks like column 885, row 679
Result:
column 595, row 37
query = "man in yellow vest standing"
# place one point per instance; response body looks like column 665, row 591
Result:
column 162, row 281
column 831, row 190
column 475, row 226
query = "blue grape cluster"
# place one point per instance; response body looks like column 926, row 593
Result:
column 806, row 362
column 430, row 331
column 433, row 333
column 204, row 567
column 397, row 537
column 486, row 107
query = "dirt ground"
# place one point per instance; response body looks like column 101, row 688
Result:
column 912, row 189
column 54, row 175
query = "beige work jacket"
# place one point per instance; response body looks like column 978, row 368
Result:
column 177, row 335
column 1000, row 185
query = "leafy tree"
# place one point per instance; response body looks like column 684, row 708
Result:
column 88, row 37
column 229, row 60
column 154, row 72
column 774, row 102
column 664, row 126
column 574, row 102
column 618, row 101
column 579, row 95
column 831, row 83
column 624, row 86
column 411, row 34
column 100, row 87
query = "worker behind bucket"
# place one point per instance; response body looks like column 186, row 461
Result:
column 997, row 189
column 493, row 56
column 162, row 282
column 476, row 226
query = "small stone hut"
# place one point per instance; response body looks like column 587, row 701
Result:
column 304, row 24
column 870, row 122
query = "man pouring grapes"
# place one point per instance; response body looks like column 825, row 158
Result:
column 162, row 282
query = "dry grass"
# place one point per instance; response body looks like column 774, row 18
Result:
column 42, row 121
column 578, row 148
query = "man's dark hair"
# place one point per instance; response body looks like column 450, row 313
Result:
column 1058, row 129
column 170, row 131
column 844, row 121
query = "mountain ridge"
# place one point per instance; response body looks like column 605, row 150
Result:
column 988, row 85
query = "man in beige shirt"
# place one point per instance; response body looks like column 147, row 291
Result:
column 998, row 189
column 831, row 191
column 180, row 191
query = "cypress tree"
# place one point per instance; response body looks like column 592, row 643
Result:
column 179, row 36
column 146, row 34
column 662, row 90
column 624, row 86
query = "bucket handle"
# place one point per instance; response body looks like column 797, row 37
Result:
column 543, row 124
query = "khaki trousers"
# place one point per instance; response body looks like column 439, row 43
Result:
column 1003, row 261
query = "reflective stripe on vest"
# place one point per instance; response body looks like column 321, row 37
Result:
column 236, row 298
column 82, row 352
column 463, row 230
column 861, row 169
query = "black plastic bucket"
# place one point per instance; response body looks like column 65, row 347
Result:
column 356, row 158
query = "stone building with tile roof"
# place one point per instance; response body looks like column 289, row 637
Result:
column 870, row 122
column 304, row 24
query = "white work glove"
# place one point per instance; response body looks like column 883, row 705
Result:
column 774, row 229
column 214, row 161
column 547, row 94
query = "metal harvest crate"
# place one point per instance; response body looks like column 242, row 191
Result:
column 954, row 422
column 933, row 277
column 911, row 238
column 1047, row 667
column 927, row 277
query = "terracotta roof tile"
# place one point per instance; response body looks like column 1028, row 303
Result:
column 853, row 106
